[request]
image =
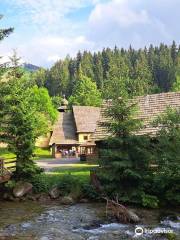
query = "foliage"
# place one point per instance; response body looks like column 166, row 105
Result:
column 136, row 168
column 121, row 114
column 89, row 192
column 150, row 201
column 26, row 113
column 73, row 180
column 58, row 79
column 125, row 167
column 5, row 32
column 40, row 183
column 176, row 85
column 85, row 93
column 39, row 77
column 145, row 71
column 167, row 154
column 56, row 100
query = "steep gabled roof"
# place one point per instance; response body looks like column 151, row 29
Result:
column 150, row 107
column 64, row 131
column 86, row 118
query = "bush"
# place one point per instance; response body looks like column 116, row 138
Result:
column 89, row 192
column 150, row 201
column 40, row 183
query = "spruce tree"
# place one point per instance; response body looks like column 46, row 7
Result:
column 124, row 157
column 5, row 32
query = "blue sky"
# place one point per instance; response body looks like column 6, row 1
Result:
column 48, row 30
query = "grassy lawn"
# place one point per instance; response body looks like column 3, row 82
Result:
column 76, row 172
column 40, row 153
column 81, row 172
column 4, row 153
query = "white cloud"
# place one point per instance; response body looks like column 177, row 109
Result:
column 46, row 50
column 6, row 58
column 111, row 22
column 120, row 12
column 47, row 13
column 136, row 22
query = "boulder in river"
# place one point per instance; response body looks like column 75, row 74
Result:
column 133, row 217
column 67, row 200
column 21, row 189
column 54, row 193
column 84, row 200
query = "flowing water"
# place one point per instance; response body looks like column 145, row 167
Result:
column 31, row 221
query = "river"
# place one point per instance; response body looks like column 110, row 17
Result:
column 35, row 221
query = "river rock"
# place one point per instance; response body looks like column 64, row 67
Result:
column 21, row 189
column 67, row 200
column 8, row 197
column 133, row 217
column 84, row 200
column 44, row 198
column 54, row 193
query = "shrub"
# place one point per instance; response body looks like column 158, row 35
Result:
column 150, row 201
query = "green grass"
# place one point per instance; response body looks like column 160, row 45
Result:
column 79, row 172
column 4, row 153
column 40, row 153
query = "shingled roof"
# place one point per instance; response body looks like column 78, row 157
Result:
column 150, row 107
column 86, row 118
column 64, row 131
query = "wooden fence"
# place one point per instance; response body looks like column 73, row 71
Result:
column 7, row 166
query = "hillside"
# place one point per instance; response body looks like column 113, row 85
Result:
column 30, row 67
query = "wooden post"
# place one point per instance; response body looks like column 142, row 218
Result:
column 1, row 166
column 54, row 150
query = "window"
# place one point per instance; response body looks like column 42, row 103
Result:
column 85, row 137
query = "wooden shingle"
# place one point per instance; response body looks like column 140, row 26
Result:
column 149, row 107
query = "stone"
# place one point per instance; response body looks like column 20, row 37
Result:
column 44, row 197
column 67, row 200
column 7, row 196
column 133, row 217
column 21, row 189
column 54, row 193
column 84, row 200
column 32, row 198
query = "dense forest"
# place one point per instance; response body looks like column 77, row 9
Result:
column 144, row 71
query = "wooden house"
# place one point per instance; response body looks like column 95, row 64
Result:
column 72, row 133
column 80, row 130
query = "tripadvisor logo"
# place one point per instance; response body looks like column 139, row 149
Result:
column 139, row 231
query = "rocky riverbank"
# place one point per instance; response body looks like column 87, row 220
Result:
column 23, row 191
column 36, row 221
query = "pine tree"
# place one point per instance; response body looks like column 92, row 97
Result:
column 5, row 32
column 25, row 114
column 142, row 82
column 98, row 70
column 174, row 52
column 124, row 157
column 87, row 64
